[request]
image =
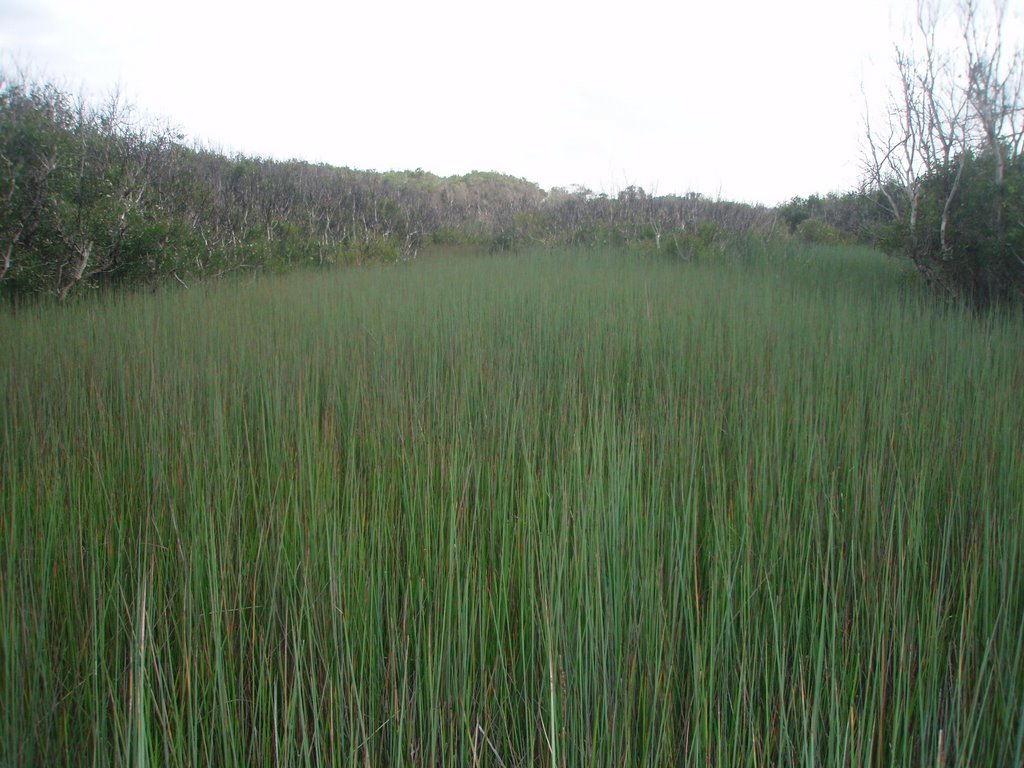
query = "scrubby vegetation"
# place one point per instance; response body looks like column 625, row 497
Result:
column 545, row 509
column 91, row 196
column 968, row 233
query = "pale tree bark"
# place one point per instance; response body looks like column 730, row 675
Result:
column 8, row 205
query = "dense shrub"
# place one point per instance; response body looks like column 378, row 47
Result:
column 978, row 256
column 817, row 232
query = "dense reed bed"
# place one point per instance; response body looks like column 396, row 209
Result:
column 572, row 509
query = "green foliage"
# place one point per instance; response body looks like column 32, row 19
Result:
column 89, row 198
column 702, row 241
column 379, row 250
column 981, row 260
column 447, row 236
column 851, row 217
column 74, row 207
column 503, row 241
column 375, row 251
column 576, row 509
column 794, row 213
column 816, row 232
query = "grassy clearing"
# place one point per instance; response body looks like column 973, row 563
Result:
column 580, row 509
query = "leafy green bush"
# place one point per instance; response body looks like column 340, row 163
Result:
column 703, row 239
column 502, row 241
column 817, row 232
column 977, row 255
column 446, row 236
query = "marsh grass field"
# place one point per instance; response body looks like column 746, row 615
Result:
column 573, row 509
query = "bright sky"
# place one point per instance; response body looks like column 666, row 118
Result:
column 748, row 99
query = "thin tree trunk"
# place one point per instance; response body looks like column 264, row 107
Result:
column 76, row 276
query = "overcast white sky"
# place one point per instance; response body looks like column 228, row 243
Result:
column 748, row 99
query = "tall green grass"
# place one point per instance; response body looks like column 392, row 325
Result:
column 571, row 509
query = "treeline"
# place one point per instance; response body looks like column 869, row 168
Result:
column 91, row 196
